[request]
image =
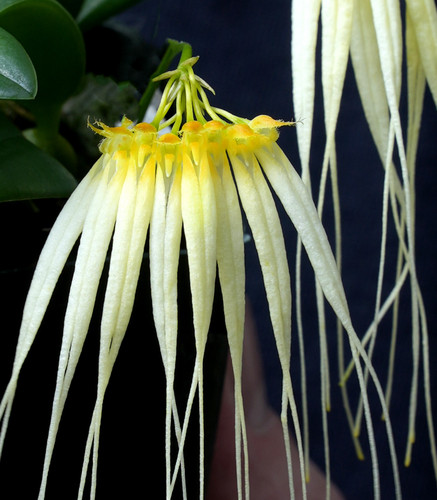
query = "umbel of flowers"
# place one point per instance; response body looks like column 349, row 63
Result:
column 194, row 179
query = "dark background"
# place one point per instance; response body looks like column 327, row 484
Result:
column 244, row 50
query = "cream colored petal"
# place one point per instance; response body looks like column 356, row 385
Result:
column 263, row 219
column 371, row 86
column 230, row 260
column 298, row 203
column 416, row 86
column 156, row 256
column 388, row 90
column 416, row 91
column 277, row 238
column 423, row 15
column 157, row 266
column 94, row 243
column 370, row 83
column 268, row 237
column 57, row 248
column 336, row 33
column 388, row 29
column 173, row 229
column 304, row 19
column 172, row 240
column 127, row 256
column 368, row 75
column 209, row 209
column 387, row 26
column 130, row 233
column 299, row 206
column 200, row 228
column 165, row 238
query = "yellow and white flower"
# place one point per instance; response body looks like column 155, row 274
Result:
column 192, row 180
column 373, row 33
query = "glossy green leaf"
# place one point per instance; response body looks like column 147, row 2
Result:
column 94, row 12
column 17, row 74
column 55, row 45
column 26, row 172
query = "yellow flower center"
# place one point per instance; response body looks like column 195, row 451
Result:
column 213, row 134
column 197, row 127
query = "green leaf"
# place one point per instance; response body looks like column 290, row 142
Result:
column 94, row 12
column 55, row 45
column 26, row 172
column 17, row 74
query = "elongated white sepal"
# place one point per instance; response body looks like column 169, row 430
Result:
column 165, row 238
column 57, row 248
column 266, row 229
column 96, row 235
column 304, row 19
column 423, row 14
column 200, row 229
column 133, row 216
column 230, row 260
column 299, row 206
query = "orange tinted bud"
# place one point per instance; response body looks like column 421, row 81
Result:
column 264, row 121
column 145, row 127
column 214, row 125
column 192, row 126
column 169, row 139
column 240, row 131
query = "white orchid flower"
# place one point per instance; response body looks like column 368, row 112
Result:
column 194, row 180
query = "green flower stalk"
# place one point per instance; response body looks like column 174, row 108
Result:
column 192, row 180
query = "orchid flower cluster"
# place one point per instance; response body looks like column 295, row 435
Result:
column 192, row 179
column 151, row 187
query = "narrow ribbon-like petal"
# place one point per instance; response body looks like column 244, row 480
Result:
column 230, row 260
column 59, row 244
column 165, row 238
column 304, row 18
column 200, row 223
column 263, row 219
column 298, row 204
column 94, row 243
column 368, row 75
column 423, row 15
column 133, row 216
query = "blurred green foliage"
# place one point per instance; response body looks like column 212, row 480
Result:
column 53, row 77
